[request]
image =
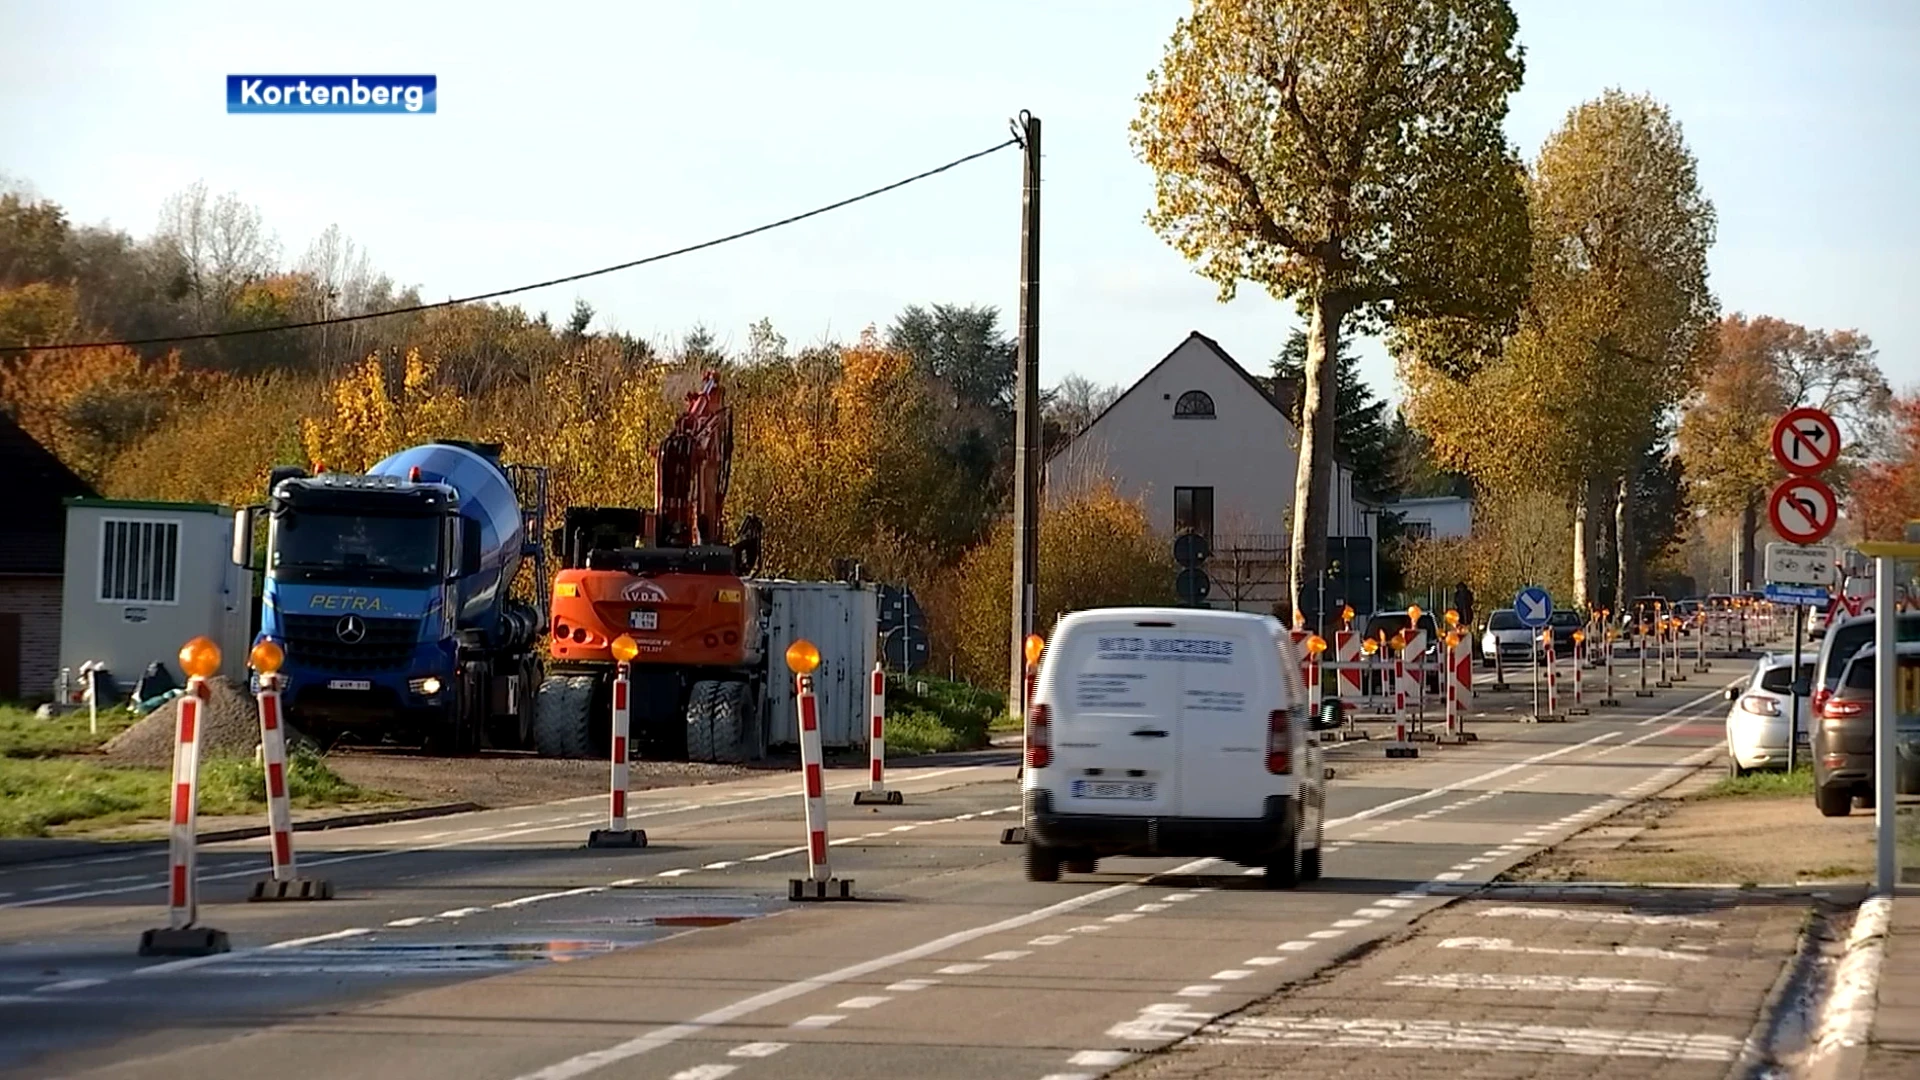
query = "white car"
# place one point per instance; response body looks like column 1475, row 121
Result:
column 1509, row 636
column 1757, row 718
column 1176, row 732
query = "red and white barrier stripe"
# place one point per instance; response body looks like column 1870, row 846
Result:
column 1346, row 660
column 1416, row 650
column 1459, row 687
column 1579, row 661
column 1553, row 684
column 810, row 766
column 1300, row 650
column 182, row 891
column 273, row 753
column 619, row 775
column 877, row 741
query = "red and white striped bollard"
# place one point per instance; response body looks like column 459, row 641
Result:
column 285, row 883
column 199, row 658
column 877, row 792
column 819, row 884
column 620, row 753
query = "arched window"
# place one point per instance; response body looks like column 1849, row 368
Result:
column 1194, row 403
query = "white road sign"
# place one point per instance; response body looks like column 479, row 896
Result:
column 1803, row 564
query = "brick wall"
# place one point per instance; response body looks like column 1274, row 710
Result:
column 37, row 601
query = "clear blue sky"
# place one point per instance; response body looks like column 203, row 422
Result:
column 576, row 135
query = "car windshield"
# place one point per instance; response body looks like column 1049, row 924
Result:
column 1850, row 637
column 1565, row 619
column 333, row 542
column 1779, row 679
column 1505, row 620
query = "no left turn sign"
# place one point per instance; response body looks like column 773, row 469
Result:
column 1806, row 441
column 1803, row 509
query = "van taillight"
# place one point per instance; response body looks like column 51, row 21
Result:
column 1039, row 738
column 1279, row 743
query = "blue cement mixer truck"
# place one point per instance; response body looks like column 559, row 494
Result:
column 392, row 594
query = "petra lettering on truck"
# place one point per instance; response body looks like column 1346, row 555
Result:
column 344, row 602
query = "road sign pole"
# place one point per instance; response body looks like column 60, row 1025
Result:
column 1885, row 721
column 1644, row 690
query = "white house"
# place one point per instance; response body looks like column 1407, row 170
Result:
column 1207, row 449
column 1441, row 517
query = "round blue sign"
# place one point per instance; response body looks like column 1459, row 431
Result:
column 1534, row 606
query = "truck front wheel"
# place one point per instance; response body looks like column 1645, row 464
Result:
column 562, row 716
column 703, row 743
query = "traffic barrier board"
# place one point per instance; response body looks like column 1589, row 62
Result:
column 1803, row 509
column 1806, row 441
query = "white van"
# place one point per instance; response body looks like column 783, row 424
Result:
column 1172, row 731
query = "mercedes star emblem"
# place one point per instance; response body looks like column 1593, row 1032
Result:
column 350, row 629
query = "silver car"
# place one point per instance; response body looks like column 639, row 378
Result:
column 1757, row 716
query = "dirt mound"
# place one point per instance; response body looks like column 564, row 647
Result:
column 230, row 727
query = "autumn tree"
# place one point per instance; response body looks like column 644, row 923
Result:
column 1886, row 490
column 1361, row 428
column 1617, row 317
column 1348, row 156
column 1760, row 368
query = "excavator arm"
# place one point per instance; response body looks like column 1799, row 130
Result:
column 693, row 471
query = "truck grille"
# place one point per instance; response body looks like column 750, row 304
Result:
column 314, row 640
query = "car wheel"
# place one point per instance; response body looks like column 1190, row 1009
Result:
column 1283, row 865
column 1043, row 863
column 1833, row 801
column 1310, row 862
column 1734, row 771
column 1082, row 866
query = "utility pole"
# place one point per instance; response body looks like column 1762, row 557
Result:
column 1026, row 405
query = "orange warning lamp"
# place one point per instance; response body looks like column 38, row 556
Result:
column 1346, row 614
column 1579, row 636
column 625, row 648
column 1316, row 644
column 1033, row 647
column 803, row 657
column 267, row 656
column 1400, row 640
column 200, row 657
column 1453, row 618
column 1369, row 646
column 1413, row 613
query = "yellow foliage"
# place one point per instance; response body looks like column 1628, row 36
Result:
column 366, row 421
column 86, row 404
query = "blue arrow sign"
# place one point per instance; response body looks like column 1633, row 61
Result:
column 1534, row 606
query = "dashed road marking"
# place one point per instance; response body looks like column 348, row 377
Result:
column 757, row 1049
column 817, row 1021
column 907, row 986
column 1100, row 1058
column 865, row 1001
column 1008, row 954
column 1050, row 939
column 1557, row 984
column 704, row 1072
column 961, row 969
column 1198, row 990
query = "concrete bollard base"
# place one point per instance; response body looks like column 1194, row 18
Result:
column 830, row 889
column 298, row 888
column 878, row 798
column 617, row 838
column 191, row 941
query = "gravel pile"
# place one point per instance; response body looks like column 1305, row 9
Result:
column 230, row 727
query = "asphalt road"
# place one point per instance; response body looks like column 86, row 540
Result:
column 493, row 945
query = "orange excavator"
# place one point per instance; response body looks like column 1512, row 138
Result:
column 669, row 579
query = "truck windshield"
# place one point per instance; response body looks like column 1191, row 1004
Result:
column 357, row 543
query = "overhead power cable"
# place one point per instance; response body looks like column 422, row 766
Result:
column 659, row 257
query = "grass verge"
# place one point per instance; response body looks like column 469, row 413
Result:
column 43, row 795
column 24, row 735
column 1761, row 785
column 942, row 717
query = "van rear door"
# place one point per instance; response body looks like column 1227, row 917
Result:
column 1116, row 731
column 1229, row 686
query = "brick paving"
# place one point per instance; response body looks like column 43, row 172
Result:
column 1544, row 984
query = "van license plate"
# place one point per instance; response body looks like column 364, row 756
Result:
column 1113, row 789
column 643, row 620
column 349, row 684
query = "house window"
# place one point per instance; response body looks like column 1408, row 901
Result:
column 1194, row 403
column 1193, row 510
column 1417, row 530
column 139, row 561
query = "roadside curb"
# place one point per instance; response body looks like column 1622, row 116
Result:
column 1757, row 1052
column 1846, row 1017
column 80, row 847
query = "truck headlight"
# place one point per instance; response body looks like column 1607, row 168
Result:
column 426, row 687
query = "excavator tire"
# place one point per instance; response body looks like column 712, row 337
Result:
column 562, row 716
column 730, row 717
column 702, row 744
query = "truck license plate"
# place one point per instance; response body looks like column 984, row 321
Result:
column 643, row 620
column 349, row 684
column 1113, row 789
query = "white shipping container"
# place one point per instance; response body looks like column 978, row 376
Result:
column 843, row 622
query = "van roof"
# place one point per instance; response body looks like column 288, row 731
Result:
column 1192, row 617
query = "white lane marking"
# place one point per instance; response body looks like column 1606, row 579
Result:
column 581, row 1064
column 1151, row 908
column 1409, row 894
column 1462, row 866
column 1349, row 924
column 1326, row 935
column 1160, row 1023
column 1008, row 954
column 1482, row 1035
column 68, row 984
column 675, row 873
column 1392, row 902
column 704, row 1072
column 493, row 834
column 459, row 912
column 1100, row 1058
column 1639, row 952
column 1230, row 974
column 1451, row 875
column 1556, row 984
column 960, row 969
column 1049, row 939
column 721, row 865
column 1125, row 916
column 1263, row 961
column 845, row 840
column 1068, row 1076
column 769, row 855
column 1295, row 946
column 757, row 1049
column 414, row 920
column 627, row 883
column 523, row 901
column 1180, row 897
column 188, row 963
column 1620, row 918
column 1372, row 912
column 907, row 986
column 1089, row 928
column 1200, row 990
column 903, row 828
column 866, row 1001
column 818, row 1020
